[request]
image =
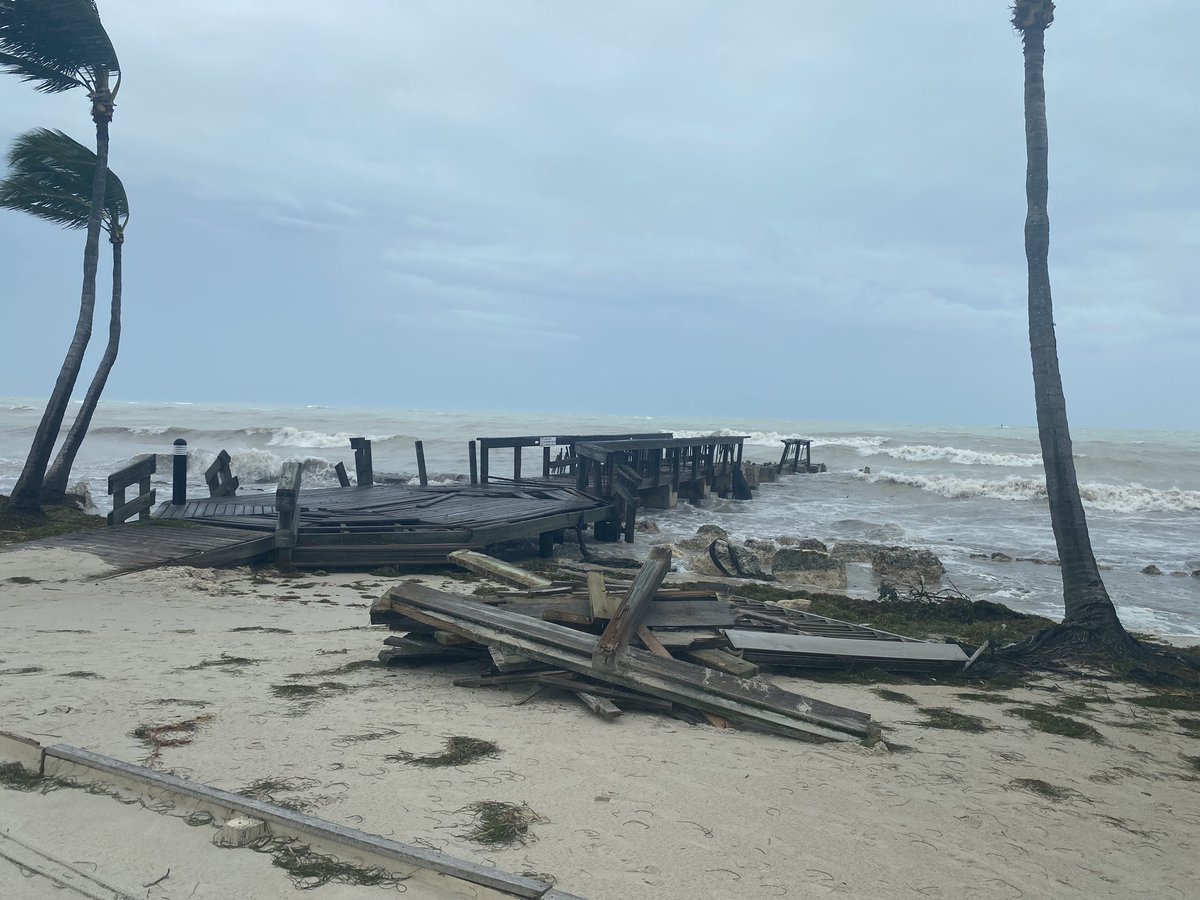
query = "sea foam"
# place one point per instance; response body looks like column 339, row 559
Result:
column 1120, row 498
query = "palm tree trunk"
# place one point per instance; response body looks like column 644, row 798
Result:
column 1087, row 603
column 54, row 488
column 27, row 494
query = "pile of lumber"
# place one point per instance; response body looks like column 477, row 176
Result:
column 656, row 649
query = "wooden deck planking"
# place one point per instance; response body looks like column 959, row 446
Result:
column 393, row 523
column 148, row 545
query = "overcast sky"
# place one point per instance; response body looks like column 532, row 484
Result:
column 772, row 208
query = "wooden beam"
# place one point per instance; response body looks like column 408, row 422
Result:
column 342, row 477
column 422, row 475
column 483, row 564
column 605, row 709
column 654, row 645
column 633, row 609
column 287, row 504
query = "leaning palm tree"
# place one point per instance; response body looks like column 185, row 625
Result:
column 58, row 45
column 1090, row 618
column 51, row 177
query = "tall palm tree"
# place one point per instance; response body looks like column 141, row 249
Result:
column 58, row 45
column 1090, row 616
column 51, row 177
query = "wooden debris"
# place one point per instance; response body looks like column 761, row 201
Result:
column 807, row 650
column 719, row 659
column 483, row 564
column 633, row 609
column 754, row 701
column 605, row 709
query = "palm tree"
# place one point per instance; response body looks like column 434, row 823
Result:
column 58, row 45
column 1090, row 617
column 51, row 177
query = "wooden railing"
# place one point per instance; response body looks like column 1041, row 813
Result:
column 221, row 480
column 137, row 472
column 562, row 444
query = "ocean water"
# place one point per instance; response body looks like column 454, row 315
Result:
column 961, row 492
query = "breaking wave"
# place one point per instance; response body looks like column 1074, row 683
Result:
column 1120, row 498
column 956, row 455
column 295, row 437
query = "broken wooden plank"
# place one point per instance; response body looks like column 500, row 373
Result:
column 506, row 663
column 400, row 650
column 603, row 604
column 655, row 646
column 605, row 709
column 633, row 609
column 482, row 564
column 715, row 658
column 788, row 649
column 754, row 699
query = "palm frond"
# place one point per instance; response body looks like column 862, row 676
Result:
column 51, row 178
column 55, row 44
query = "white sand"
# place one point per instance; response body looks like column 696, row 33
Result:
column 643, row 806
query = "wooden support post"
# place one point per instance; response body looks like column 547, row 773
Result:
column 483, row 462
column 287, row 503
column 422, row 475
column 545, row 462
column 675, row 454
column 632, row 610
column 340, row 471
column 363, row 467
column 582, row 473
column 782, row 459
column 474, row 462
column 516, row 463
column 546, row 544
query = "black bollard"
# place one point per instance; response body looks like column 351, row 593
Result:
column 179, row 474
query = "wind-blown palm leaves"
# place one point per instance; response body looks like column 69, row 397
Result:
column 1090, row 617
column 58, row 45
column 51, row 176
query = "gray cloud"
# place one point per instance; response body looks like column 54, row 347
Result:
column 810, row 199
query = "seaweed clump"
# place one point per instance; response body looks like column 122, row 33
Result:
column 459, row 752
column 943, row 717
column 501, row 824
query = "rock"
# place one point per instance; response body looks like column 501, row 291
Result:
column 789, row 540
column 1001, row 557
column 1196, row 573
column 813, row 567
column 908, row 564
column 738, row 561
column 763, row 549
column 705, row 535
column 702, row 564
column 855, row 551
column 647, row 526
column 747, row 562
column 1152, row 570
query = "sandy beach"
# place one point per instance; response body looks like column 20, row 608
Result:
column 644, row 806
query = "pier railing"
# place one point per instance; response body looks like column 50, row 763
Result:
column 558, row 451
column 137, row 472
